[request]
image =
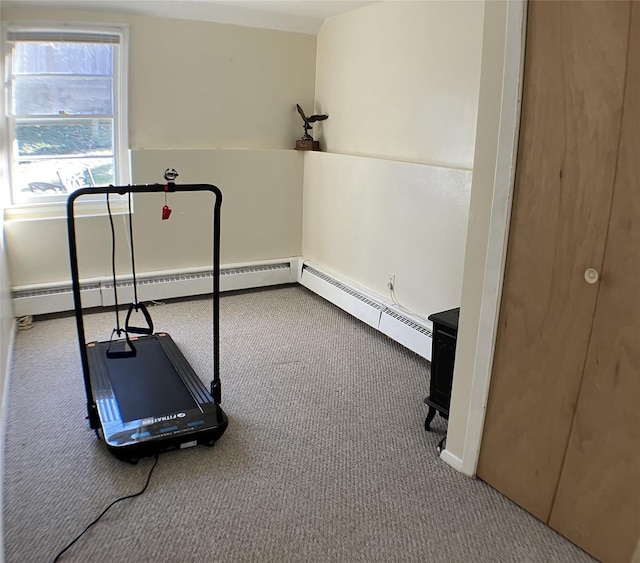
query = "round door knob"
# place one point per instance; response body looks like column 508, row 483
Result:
column 591, row 275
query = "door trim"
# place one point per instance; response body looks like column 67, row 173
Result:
column 504, row 179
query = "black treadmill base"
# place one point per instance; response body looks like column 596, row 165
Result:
column 152, row 402
column 132, row 453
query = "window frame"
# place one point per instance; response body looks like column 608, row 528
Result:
column 24, row 204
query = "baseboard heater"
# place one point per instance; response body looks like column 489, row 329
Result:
column 410, row 331
column 406, row 329
column 55, row 298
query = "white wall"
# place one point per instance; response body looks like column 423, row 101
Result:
column 365, row 218
column 261, row 204
column 216, row 102
column 400, row 83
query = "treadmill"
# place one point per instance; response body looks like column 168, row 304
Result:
column 142, row 394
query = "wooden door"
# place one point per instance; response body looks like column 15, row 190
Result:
column 597, row 504
column 574, row 79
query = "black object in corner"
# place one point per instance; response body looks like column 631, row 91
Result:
column 443, row 354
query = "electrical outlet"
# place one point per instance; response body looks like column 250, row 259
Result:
column 391, row 281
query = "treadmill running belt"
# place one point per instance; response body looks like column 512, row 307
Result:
column 147, row 385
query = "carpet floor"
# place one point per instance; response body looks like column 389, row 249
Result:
column 325, row 457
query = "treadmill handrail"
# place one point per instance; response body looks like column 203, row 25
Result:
column 75, row 276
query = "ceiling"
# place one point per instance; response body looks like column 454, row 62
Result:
column 303, row 16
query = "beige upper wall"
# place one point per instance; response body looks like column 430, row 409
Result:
column 207, row 85
column 400, row 81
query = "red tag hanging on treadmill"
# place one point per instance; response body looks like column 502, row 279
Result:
column 166, row 210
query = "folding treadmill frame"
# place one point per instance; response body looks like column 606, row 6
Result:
column 204, row 421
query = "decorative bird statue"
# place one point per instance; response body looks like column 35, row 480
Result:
column 308, row 121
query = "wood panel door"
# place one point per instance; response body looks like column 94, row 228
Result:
column 574, row 78
column 597, row 504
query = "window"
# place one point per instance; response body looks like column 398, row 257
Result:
column 66, row 119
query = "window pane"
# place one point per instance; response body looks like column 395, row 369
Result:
column 63, row 103
column 73, row 137
column 61, row 176
column 63, row 58
column 55, row 95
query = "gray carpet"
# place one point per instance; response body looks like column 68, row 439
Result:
column 325, row 457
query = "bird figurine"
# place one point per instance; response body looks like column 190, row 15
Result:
column 308, row 121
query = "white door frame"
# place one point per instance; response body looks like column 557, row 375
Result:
column 504, row 177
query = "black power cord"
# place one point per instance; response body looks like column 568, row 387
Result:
column 108, row 507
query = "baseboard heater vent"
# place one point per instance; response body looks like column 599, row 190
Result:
column 53, row 299
column 151, row 287
column 407, row 332
column 24, row 294
column 344, row 288
column 411, row 324
column 255, row 269
column 371, row 309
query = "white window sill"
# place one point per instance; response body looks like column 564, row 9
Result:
column 58, row 210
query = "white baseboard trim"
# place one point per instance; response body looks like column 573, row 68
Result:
column 41, row 299
column 452, row 460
